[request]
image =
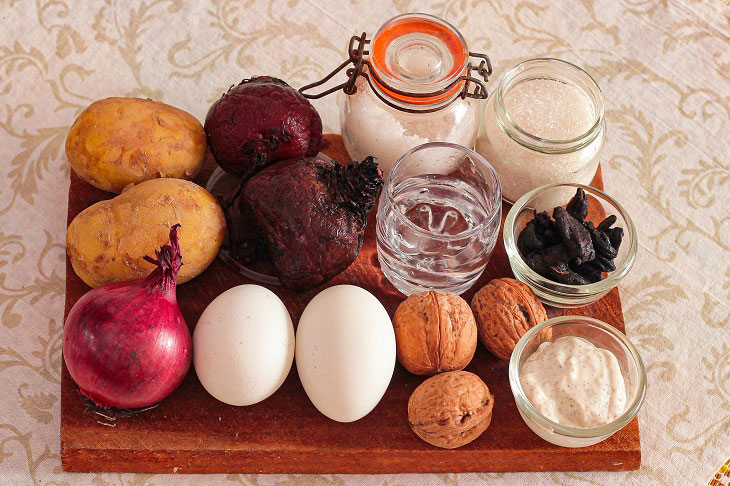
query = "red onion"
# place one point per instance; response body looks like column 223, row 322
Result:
column 126, row 344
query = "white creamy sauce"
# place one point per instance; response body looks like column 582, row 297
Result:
column 574, row 383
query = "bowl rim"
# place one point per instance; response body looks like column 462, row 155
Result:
column 527, row 408
column 549, row 286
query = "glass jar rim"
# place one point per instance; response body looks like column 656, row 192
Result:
column 526, row 407
column 550, row 286
column 545, row 145
column 377, row 64
column 497, row 197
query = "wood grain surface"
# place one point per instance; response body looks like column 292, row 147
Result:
column 191, row 432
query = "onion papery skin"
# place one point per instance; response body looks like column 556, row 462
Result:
column 126, row 344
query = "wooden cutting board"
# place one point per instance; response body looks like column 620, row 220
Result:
column 191, row 432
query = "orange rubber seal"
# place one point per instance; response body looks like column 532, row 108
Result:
column 391, row 32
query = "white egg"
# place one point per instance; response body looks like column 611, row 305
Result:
column 243, row 345
column 345, row 352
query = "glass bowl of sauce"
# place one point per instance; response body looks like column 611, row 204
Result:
column 576, row 380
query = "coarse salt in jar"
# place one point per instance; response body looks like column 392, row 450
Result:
column 409, row 88
column 543, row 124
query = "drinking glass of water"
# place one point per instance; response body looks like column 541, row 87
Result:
column 438, row 218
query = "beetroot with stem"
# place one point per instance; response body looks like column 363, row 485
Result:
column 311, row 213
column 126, row 344
column 260, row 121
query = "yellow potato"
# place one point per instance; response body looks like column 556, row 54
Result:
column 120, row 141
column 107, row 241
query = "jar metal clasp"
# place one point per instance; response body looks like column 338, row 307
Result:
column 357, row 51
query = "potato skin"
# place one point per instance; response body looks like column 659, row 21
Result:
column 107, row 241
column 120, row 141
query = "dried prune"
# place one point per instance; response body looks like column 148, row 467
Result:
column 575, row 236
column 530, row 239
column 606, row 224
column 615, row 236
column 601, row 242
column 551, row 236
column 563, row 274
column 542, row 220
column 589, row 270
column 540, row 261
column 605, row 264
column 578, row 205
column 568, row 249
column 539, row 233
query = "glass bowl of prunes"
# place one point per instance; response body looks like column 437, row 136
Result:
column 570, row 243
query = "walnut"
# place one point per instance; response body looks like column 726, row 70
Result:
column 450, row 409
column 434, row 332
column 505, row 309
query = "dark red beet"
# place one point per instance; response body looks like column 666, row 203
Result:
column 261, row 121
column 312, row 215
column 126, row 344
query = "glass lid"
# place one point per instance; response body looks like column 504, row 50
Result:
column 416, row 54
column 415, row 63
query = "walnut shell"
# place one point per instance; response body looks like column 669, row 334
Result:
column 434, row 332
column 505, row 309
column 450, row 409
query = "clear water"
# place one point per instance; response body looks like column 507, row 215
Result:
column 436, row 234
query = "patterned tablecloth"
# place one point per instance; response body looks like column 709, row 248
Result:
column 663, row 65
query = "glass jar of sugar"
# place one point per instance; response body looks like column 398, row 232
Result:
column 543, row 124
column 412, row 86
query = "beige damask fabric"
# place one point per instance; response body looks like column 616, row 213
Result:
column 663, row 65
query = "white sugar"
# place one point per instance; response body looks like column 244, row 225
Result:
column 548, row 109
column 369, row 127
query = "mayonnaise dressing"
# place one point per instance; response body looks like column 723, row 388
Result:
column 574, row 383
